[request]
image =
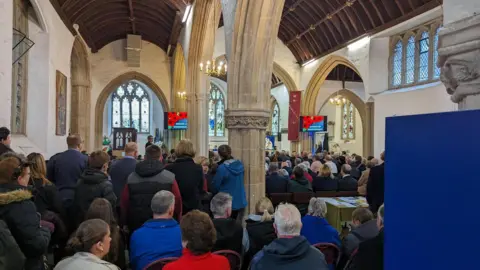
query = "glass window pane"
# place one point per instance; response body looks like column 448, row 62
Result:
column 436, row 70
column 145, row 115
column 211, row 117
column 216, row 111
column 136, row 114
column 116, row 112
column 120, row 91
column 126, row 113
column 276, row 119
column 351, row 121
column 397, row 64
column 410, row 61
column 423, row 49
column 344, row 121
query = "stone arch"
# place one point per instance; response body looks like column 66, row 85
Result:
column 283, row 75
column 366, row 116
column 179, row 77
column 313, row 87
column 111, row 86
column 81, row 92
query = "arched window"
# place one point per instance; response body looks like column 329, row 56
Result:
column 436, row 70
column 348, row 121
column 410, row 61
column 216, row 112
column 397, row 64
column 276, row 119
column 131, row 107
column 423, row 49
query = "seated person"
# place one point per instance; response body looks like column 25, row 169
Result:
column 275, row 183
column 299, row 184
column 159, row 237
column 346, row 182
column 325, row 180
column 230, row 233
column 315, row 226
column 198, row 239
column 289, row 250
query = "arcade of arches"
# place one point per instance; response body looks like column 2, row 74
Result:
column 73, row 72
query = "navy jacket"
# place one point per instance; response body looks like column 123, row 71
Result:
column 229, row 179
column 324, row 183
column 64, row 169
column 156, row 239
column 317, row 230
column 287, row 254
column 119, row 172
column 276, row 183
column 376, row 187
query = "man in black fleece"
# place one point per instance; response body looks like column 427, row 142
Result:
column 289, row 250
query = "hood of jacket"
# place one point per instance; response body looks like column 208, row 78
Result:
column 14, row 194
column 93, row 176
column 149, row 168
column 302, row 181
column 367, row 230
column 160, row 223
column 234, row 166
column 287, row 249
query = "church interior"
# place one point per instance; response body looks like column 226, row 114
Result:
column 251, row 74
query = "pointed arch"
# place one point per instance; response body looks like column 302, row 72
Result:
column 283, row 75
column 111, row 86
column 313, row 87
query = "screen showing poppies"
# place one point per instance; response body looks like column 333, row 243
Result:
column 176, row 120
column 313, row 123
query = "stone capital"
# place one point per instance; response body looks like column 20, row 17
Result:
column 247, row 119
column 459, row 58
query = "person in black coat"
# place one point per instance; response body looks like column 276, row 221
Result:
column 93, row 183
column 5, row 140
column 189, row 177
column 121, row 169
column 325, row 180
column 19, row 212
column 346, row 182
column 376, row 186
column 275, row 183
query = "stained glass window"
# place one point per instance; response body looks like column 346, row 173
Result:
column 131, row 107
column 423, row 48
column 410, row 61
column 397, row 64
column 216, row 112
column 348, row 121
column 436, row 70
column 276, row 119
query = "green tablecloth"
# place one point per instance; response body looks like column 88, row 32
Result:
column 340, row 209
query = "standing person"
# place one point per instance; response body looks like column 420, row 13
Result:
column 229, row 179
column 121, row 169
column 189, row 176
column 376, row 185
column 5, row 140
column 64, row 169
column 149, row 141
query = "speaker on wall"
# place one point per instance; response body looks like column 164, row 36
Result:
column 279, row 136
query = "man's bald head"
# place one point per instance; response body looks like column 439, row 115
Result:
column 74, row 141
column 131, row 149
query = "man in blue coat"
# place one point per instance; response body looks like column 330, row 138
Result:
column 122, row 168
column 229, row 179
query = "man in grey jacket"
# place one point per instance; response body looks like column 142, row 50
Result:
column 365, row 227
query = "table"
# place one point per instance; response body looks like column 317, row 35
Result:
column 340, row 209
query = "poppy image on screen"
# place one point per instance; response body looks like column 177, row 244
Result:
column 176, row 120
column 313, row 123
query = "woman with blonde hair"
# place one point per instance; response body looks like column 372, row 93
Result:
column 260, row 228
column 324, row 181
column 189, row 176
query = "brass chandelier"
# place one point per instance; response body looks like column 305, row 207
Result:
column 338, row 100
column 212, row 68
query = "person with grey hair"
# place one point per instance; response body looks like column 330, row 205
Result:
column 329, row 162
column 283, row 172
column 230, row 233
column 315, row 225
column 346, row 182
column 159, row 237
column 290, row 250
column 370, row 252
column 274, row 182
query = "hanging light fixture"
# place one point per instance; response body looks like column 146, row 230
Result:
column 211, row 67
column 338, row 100
column 182, row 95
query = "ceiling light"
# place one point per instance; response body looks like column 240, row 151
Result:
column 186, row 13
column 359, row 44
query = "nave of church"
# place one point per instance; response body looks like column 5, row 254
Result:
column 265, row 103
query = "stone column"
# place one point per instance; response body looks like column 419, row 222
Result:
column 294, row 146
column 80, row 112
column 255, row 31
column 459, row 52
column 6, row 22
column 368, row 129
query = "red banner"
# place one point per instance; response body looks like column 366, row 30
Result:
column 294, row 115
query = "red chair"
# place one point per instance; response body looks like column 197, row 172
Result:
column 160, row 263
column 233, row 258
column 331, row 252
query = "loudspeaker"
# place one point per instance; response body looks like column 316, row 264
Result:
column 279, row 136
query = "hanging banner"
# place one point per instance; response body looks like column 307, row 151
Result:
column 294, row 115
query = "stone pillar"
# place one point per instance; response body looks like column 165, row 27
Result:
column 459, row 52
column 368, row 129
column 6, row 22
column 80, row 112
column 255, row 31
column 294, row 146
column 202, row 126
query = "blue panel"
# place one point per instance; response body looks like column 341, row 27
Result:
column 432, row 188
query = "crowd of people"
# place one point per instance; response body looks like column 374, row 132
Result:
column 99, row 212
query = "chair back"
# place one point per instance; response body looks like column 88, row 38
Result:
column 160, row 263
column 233, row 258
column 347, row 193
column 350, row 260
column 331, row 252
column 326, row 194
column 302, row 197
column 278, row 198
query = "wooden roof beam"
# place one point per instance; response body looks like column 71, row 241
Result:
column 175, row 32
column 377, row 11
column 292, row 8
column 368, row 13
column 132, row 16
column 400, row 7
column 177, row 5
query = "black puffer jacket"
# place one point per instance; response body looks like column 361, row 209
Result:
column 19, row 212
column 92, row 184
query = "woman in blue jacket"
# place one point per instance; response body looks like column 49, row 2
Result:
column 229, row 179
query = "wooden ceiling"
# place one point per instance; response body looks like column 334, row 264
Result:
column 314, row 28
column 103, row 21
column 343, row 73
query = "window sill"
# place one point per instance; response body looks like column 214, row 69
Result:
column 413, row 87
